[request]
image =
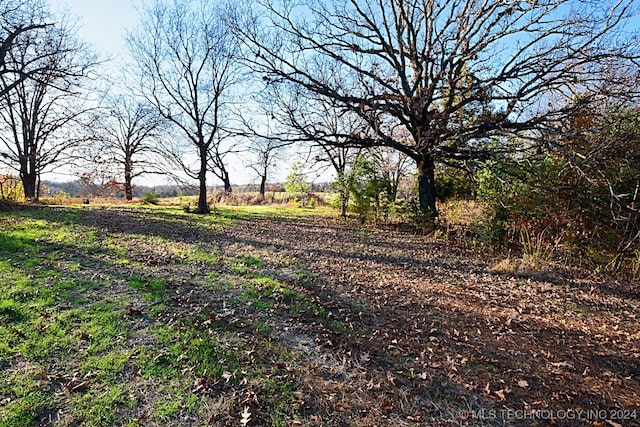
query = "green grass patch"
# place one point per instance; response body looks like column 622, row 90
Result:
column 274, row 211
column 12, row 312
column 251, row 261
column 66, row 291
column 247, row 265
column 210, row 350
column 107, row 365
column 263, row 292
column 282, row 399
column 157, row 364
column 99, row 405
column 27, row 399
column 199, row 253
column 268, row 287
column 152, row 289
column 203, row 254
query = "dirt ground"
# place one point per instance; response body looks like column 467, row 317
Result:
column 427, row 333
column 402, row 329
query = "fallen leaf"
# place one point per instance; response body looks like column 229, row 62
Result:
column 523, row 384
column 387, row 405
column 74, row 386
column 391, row 378
column 562, row 365
column 245, row 416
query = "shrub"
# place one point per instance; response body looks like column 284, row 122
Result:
column 371, row 195
column 453, row 183
column 151, row 197
column 297, row 181
column 312, row 202
column 11, row 189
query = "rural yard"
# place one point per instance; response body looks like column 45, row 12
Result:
column 333, row 213
column 148, row 316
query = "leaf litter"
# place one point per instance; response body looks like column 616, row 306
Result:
column 382, row 327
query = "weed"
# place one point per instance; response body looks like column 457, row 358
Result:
column 251, row 261
column 167, row 408
column 257, row 303
column 537, row 251
column 341, row 327
column 578, row 308
column 261, row 328
column 283, row 400
column 196, row 254
column 203, row 255
column 302, row 277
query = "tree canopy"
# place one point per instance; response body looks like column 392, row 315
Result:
column 440, row 81
column 43, row 72
column 185, row 66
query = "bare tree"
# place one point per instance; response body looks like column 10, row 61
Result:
column 340, row 157
column 265, row 153
column 394, row 168
column 217, row 160
column 329, row 133
column 319, row 125
column 423, row 66
column 185, row 58
column 263, row 126
column 603, row 172
column 128, row 136
column 19, row 23
column 40, row 115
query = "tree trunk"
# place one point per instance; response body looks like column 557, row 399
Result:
column 29, row 185
column 227, row 184
column 427, row 187
column 28, row 177
column 263, row 185
column 128, row 188
column 342, row 185
column 344, row 202
column 203, row 205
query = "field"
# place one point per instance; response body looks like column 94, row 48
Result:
column 260, row 316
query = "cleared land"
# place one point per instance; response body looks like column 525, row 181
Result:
column 150, row 316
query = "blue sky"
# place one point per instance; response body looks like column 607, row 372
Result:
column 102, row 23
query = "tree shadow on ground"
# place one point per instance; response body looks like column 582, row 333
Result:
column 430, row 324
